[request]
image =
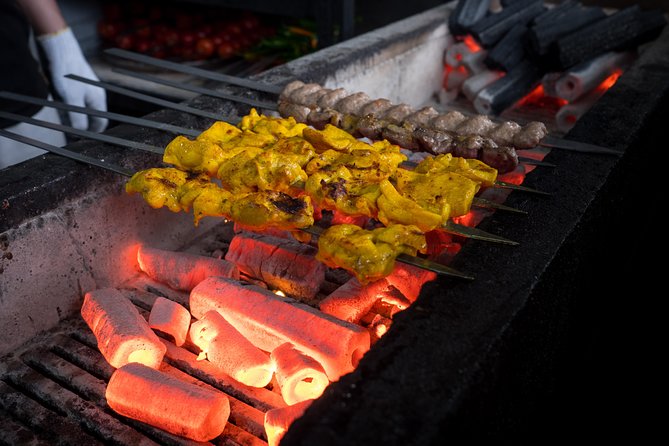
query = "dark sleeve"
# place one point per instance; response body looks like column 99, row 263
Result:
column 20, row 72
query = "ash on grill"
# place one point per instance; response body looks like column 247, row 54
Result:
column 533, row 54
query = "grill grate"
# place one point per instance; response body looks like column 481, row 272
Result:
column 52, row 391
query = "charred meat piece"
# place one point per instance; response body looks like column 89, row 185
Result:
column 350, row 105
column 311, row 99
column 504, row 158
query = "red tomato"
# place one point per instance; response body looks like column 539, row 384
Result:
column 142, row 46
column 187, row 38
column 109, row 30
column 233, row 28
column 249, row 22
column 144, row 32
column 226, row 50
column 205, row 48
column 125, row 41
column 171, row 37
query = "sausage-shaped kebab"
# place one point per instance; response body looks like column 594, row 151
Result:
column 417, row 130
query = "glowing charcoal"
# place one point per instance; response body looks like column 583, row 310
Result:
column 153, row 397
column 277, row 421
column 409, row 279
column 123, row 335
column 230, row 351
column 269, row 321
column 351, row 301
column 170, row 318
column 300, row 377
column 180, row 270
column 283, row 264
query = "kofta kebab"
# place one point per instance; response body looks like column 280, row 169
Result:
column 271, row 172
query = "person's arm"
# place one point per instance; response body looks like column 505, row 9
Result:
column 43, row 15
column 64, row 55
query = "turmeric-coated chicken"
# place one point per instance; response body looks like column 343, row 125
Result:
column 393, row 208
column 278, row 127
column 340, row 191
column 259, row 210
column 467, row 167
column 369, row 255
column 431, row 191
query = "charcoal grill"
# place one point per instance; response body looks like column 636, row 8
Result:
column 467, row 360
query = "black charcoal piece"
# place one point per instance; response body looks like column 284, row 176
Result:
column 623, row 30
column 508, row 90
column 555, row 13
column 542, row 36
column 465, row 14
column 492, row 28
column 509, row 51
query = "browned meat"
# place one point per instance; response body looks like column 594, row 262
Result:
column 468, row 146
column 319, row 117
column 530, row 135
column 433, row 141
column 376, row 107
column 331, row 98
column 504, row 158
column 448, row 121
column 299, row 112
column 311, row 99
column 281, row 263
column 370, row 127
column 301, row 95
column 397, row 113
column 351, row 104
column 401, row 136
column 289, row 88
column 422, row 117
column 504, row 133
column 476, row 125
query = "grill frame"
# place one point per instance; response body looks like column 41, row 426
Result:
column 469, row 360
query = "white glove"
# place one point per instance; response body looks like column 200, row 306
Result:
column 65, row 57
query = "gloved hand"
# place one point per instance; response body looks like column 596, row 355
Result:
column 65, row 57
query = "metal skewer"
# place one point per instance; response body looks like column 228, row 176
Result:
column 421, row 263
column 142, row 122
column 548, row 141
column 480, row 202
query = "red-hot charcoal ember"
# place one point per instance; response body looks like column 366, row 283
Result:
column 170, row 318
column 269, row 321
column 339, row 218
column 123, row 335
column 300, row 377
column 230, row 351
column 283, row 264
column 409, row 279
column 277, row 421
column 181, row 408
column 181, row 270
column 351, row 301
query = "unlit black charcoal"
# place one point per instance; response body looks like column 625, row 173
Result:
column 492, row 28
column 466, row 13
column 555, row 13
column 542, row 36
column 623, row 30
column 508, row 90
column 509, row 51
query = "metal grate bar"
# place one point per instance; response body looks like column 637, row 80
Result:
column 13, row 433
column 62, row 431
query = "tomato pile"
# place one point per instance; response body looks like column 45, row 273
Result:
column 169, row 32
